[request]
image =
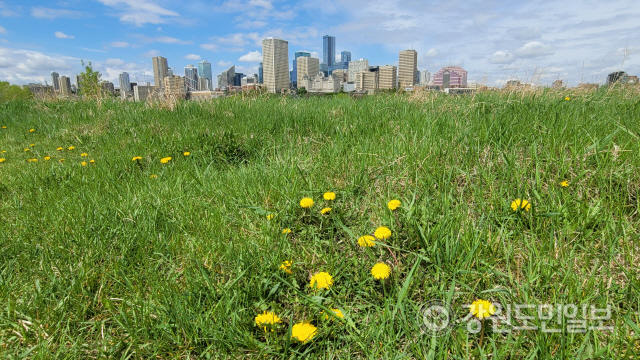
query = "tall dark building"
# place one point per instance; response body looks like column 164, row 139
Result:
column 329, row 50
column 237, row 81
column 260, row 74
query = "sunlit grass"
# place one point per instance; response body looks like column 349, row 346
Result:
column 133, row 256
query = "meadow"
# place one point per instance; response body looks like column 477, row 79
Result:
column 109, row 251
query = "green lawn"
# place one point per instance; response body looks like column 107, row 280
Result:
column 138, row 259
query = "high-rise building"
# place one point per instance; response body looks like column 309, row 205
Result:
column 191, row 78
column 308, row 66
column 425, row 77
column 237, row 79
column 407, row 67
column 55, row 81
column 294, row 73
column 275, row 60
column 174, row 87
column 328, row 50
column 357, row 66
column 64, row 84
column 204, row 71
column 169, row 71
column 367, row 80
column 341, row 74
column 125, row 83
column 345, row 57
column 78, row 82
column 160, row 69
column 417, row 80
column 260, row 74
column 450, row 77
column 387, row 79
column 228, row 77
column 325, row 69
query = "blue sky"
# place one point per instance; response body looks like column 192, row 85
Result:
column 495, row 41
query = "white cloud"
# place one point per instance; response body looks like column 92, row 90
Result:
column 120, row 44
column 41, row 12
column 61, row 35
column 140, row 12
column 501, row 57
column 3, row 30
column 212, row 47
column 431, row 52
column 114, row 62
column 252, row 56
column 151, row 53
column 6, row 11
column 193, row 57
column 224, row 63
column 534, row 49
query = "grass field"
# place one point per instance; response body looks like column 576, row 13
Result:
column 140, row 259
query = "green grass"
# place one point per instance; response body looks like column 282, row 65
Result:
column 103, row 261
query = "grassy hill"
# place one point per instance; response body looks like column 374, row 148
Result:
column 126, row 258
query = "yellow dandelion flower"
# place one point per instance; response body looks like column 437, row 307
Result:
column 84, row 154
column 382, row 232
column 165, row 160
column 380, row 271
column 321, row 280
column 367, row 241
column 47, row 158
column 393, row 204
column 286, row 231
column 27, row 149
column 518, row 204
column 286, row 266
column 270, row 216
column 83, row 163
column 4, row 127
column 303, row 332
column 92, row 161
column 186, row 153
column 337, row 312
column 306, row 203
column 267, row 318
column 136, row 158
column 32, row 145
column 61, row 160
column 3, row 151
column 71, row 147
column 329, row 196
column 34, row 160
column 153, row 176
column 325, row 210
column 32, row 130
column 565, row 183
column 482, row 309
column 59, row 148
column 2, row 160
column 567, row 98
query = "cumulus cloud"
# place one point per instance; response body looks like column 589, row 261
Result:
column 193, row 57
column 252, row 56
column 501, row 57
column 61, row 35
column 534, row 49
column 224, row 63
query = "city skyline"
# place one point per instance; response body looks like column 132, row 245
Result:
column 494, row 41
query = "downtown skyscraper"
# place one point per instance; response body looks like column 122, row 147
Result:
column 407, row 68
column 160, row 70
column 204, row 71
column 275, row 63
column 191, row 78
column 329, row 50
